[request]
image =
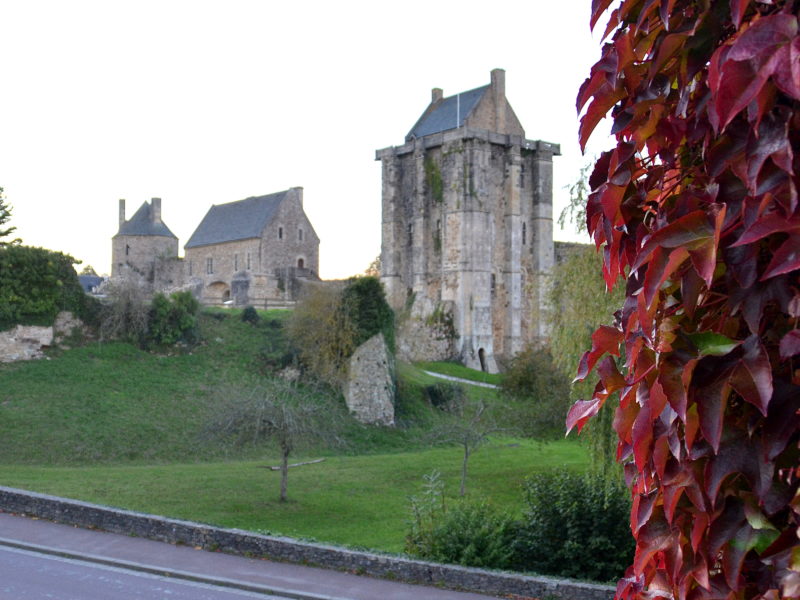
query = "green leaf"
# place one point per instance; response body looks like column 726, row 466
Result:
column 710, row 343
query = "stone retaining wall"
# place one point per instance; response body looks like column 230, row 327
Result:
column 234, row 541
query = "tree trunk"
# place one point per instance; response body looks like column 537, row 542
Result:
column 284, row 474
column 464, row 472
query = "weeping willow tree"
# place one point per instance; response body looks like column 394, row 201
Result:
column 580, row 304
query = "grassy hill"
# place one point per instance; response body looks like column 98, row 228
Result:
column 113, row 424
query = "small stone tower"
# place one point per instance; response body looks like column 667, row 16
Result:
column 142, row 243
column 467, row 226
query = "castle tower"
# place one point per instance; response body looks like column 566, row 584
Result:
column 141, row 241
column 467, row 223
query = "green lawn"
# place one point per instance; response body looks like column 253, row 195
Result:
column 457, row 370
column 357, row 501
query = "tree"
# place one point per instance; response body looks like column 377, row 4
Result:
column 697, row 209
column 374, row 268
column 88, row 270
column 5, row 217
column 284, row 412
column 126, row 313
column 470, row 429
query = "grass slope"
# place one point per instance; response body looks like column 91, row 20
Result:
column 358, row 501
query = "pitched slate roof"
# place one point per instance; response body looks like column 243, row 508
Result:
column 448, row 113
column 141, row 223
column 239, row 220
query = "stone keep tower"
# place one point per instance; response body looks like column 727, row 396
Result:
column 142, row 242
column 468, row 222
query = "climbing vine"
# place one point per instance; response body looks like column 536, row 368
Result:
column 696, row 209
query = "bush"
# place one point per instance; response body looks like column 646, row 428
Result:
column 250, row 315
column 364, row 301
column 442, row 395
column 36, row 284
column 540, row 392
column 173, row 319
column 575, row 526
column 473, row 534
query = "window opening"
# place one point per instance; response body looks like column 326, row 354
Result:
column 209, row 265
column 300, row 263
column 524, row 233
column 280, row 233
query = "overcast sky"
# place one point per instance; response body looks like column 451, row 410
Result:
column 202, row 103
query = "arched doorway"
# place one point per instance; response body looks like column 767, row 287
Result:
column 482, row 358
column 300, row 263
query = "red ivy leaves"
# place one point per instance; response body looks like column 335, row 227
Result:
column 697, row 209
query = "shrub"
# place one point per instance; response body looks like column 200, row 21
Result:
column 443, row 394
column 576, row 525
column 173, row 319
column 540, row 391
column 35, row 284
column 124, row 315
column 473, row 534
column 250, row 315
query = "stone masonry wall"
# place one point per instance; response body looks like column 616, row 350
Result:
column 235, row 541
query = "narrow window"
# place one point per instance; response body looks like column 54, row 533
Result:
column 127, row 250
column 280, row 233
column 300, row 234
column 209, row 265
column 190, row 268
column 524, row 233
column 494, row 284
column 235, row 262
column 410, row 230
column 248, row 261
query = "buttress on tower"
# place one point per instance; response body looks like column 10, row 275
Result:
column 467, row 224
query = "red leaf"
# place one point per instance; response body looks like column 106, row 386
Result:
column 581, row 412
column 655, row 535
column 740, row 82
column 661, row 267
column 699, row 528
column 772, row 141
column 642, row 436
column 737, row 10
column 787, row 69
column 752, row 378
column 785, row 259
column 668, row 47
column 764, row 36
column 692, row 426
column 661, row 455
column 604, row 100
column 610, row 376
column 624, row 417
column 767, row 225
column 711, row 403
column 790, row 344
column 672, row 494
column 670, row 377
column 643, row 510
column 598, row 8
column 605, row 340
column 658, row 400
column 686, row 231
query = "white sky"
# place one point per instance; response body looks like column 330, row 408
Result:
column 202, row 103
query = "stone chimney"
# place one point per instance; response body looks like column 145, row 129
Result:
column 155, row 210
column 436, row 95
column 299, row 192
column 121, row 212
column 498, row 87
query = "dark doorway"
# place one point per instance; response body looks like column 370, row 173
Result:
column 300, row 263
column 482, row 358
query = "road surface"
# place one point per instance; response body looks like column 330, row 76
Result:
column 26, row 575
column 40, row 559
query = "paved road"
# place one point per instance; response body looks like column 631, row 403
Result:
column 28, row 575
column 73, row 550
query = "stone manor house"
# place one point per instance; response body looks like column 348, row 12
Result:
column 468, row 226
column 256, row 251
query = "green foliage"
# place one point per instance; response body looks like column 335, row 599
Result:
column 364, row 301
column 468, row 533
column 581, row 303
column 433, row 179
column 576, row 525
column 442, row 319
column 36, row 284
column 173, row 319
column 5, row 216
column 541, row 393
column 250, row 315
column 443, row 394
